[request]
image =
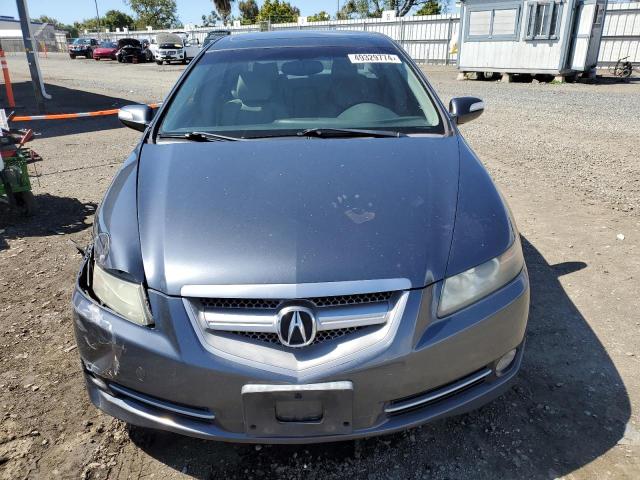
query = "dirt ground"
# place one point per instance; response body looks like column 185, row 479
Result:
column 566, row 157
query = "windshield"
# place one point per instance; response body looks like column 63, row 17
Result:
column 108, row 45
column 268, row 92
column 81, row 41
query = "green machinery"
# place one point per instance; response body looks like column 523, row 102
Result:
column 15, row 187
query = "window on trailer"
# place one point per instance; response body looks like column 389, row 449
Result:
column 493, row 24
column 543, row 20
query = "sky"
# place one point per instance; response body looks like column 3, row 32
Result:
column 189, row 11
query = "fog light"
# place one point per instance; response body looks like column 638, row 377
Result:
column 505, row 362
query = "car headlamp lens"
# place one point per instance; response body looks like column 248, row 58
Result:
column 126, row 298
column 469, row 286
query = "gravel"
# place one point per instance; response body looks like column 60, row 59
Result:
column 577, row 136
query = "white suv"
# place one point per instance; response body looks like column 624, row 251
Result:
column 171, row 47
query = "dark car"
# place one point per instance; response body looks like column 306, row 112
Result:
column 301, row 248
column 214, row 36
column 130, row 50
column 82, row 47
column 105, row 50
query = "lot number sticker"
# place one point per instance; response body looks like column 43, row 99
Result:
column 373, row 58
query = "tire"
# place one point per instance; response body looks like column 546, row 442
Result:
column 184, row 61
column 159, row 62
column 26, row 203
column 72, row 57
column 97, row 59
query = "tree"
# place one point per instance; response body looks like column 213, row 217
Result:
column 155, row 13
column 374, row 8
column 223, row 7
column 113, row 19
column 359, row 9
column 249, row 11
column 211, row 19
column 278, row 11
column 432, row 7
column 319, row 17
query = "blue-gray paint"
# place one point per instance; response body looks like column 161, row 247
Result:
column 483, row 229
column 297, row 211
column 117, row 216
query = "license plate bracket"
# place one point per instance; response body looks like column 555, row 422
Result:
column 298, row 410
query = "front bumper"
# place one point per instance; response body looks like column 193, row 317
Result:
column 170, row 58
column 164, row 378
column 87, row 52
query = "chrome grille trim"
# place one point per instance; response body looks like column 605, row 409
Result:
column 304, row 362
column 198, row 413
column 398, row 406
column 250, row 320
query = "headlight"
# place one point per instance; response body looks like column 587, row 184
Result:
column 127, row 299
column 478, row 282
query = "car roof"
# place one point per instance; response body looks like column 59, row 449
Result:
column 302, row 38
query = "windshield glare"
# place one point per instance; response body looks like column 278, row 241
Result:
column 80, row 41
column 108, row 45
column 281, row 91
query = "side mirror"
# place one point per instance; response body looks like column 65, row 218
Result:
column 465, row 109
column 137, row 117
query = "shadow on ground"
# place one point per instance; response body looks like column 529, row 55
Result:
column 568, row 407
column 66, row 100
column 54, row 216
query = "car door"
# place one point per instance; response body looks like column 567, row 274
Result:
column 191, row 50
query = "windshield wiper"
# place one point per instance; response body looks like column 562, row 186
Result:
column 347, row 132
column 200, row 137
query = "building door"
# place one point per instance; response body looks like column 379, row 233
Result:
column 582, row 36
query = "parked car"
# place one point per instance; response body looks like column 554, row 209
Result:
column 301, row 248
column 171, row 47
column 146, row 47
column 130, row 51
column 106, row 49
column 82, row 47
column 214, row 36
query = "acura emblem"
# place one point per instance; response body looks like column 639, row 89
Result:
column 296, row 326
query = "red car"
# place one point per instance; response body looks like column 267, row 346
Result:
column 105, row 50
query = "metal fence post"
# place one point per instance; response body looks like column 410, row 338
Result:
column 449, row 32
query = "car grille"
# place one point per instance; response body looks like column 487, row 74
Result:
column 269, row 304
column 254, row 319
column 321, row 337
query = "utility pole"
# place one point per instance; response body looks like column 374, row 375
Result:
column 98, row 18
column 31, row 55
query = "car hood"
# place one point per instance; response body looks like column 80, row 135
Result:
column 293, row 211
column 105, row 50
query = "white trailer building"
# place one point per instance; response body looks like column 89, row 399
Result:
column 537, row 37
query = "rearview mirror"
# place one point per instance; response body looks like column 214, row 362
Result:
column 465, row 109
column 137, row 117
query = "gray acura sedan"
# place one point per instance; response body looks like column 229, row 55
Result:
column 301, row 248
